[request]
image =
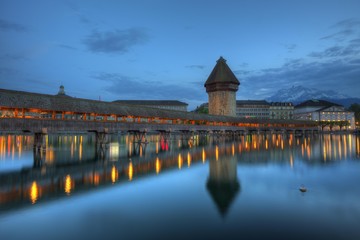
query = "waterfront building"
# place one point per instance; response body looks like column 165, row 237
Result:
column 253, row 109
column 321, row 110
column 221, row 87
column 163, row 104
column 281, row 110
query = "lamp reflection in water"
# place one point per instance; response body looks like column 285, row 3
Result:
column 222, row 183
column 68, row 185
column 130, row 171
column 34, row 192
column 114, row 174
column 157, row 165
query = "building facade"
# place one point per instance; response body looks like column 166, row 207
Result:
column 281, row 110
column 320, row 110
column 221, row 87
column 253, row 109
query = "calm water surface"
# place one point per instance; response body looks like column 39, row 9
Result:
column 198, row 188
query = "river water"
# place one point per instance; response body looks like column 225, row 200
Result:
column 179, row 188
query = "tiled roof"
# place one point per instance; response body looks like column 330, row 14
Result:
column 152, row 102
column 252, row 102
column 221, row 74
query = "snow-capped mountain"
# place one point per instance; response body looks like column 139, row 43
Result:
column 298, row 94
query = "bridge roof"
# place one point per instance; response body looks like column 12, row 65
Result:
column 27, row 100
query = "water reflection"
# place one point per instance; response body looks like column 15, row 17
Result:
column 223, row 184
column 71, row 163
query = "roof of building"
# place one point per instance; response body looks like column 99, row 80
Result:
column 221, row 74
column 252, row 102
column 153, row 102
column 316, row 103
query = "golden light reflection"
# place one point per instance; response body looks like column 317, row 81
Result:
column 96, row 179
column 217, row 153
column 266, row 144
column 157, row 148
column 180, row 161
column 49, row 157
column 130, row 171
column 188, row 159
column 157, row 165
column 291, row 161
column 203, row 154
column 233, row 149
column 34, row 192
column 68, row 184
column 130, row 148
column 114, row 174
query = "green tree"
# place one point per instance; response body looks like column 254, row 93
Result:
column 342, row 124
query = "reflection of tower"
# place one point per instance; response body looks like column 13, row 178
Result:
column 221, row 87
column 223, row 184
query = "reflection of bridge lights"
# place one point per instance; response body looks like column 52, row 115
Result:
column 157, row 165
column 114, row 150
column 180, row 161
column 114, row 174
column 233, row 149
column 96, row 179
column 130, row 171
column 34, row 192
column 282, row 144
column 203, row 154
column 217, row 153
column 188, row 159
column 266, row 144
column 68, row 184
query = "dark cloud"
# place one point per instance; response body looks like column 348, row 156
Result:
column 340, row 74
column 337, row 51
column 196, row 66
column 117, row 41
column 13, row 57
column 11, row 26
column 346, row 28
column 132, row 88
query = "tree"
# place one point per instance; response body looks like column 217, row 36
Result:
column 342, row 124
column 355, row 107
column 323, row 124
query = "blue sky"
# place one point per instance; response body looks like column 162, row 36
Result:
column 143, row 49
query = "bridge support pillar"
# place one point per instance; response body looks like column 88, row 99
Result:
column 39, row 140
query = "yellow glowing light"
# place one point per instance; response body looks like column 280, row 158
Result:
column 291, row 161
column 188, row 159
column 130, row 171
column 34, row 192
column 157, row 165
column 180, row 161
column 282, row 144
column 203, row 155
column 68, row 184
column 266, row 144
column 114, row 174
column 217, row 153
column 157, row 148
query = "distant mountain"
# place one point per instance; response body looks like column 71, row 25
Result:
column 298, row 94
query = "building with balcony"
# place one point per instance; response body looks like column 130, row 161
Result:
column 281, row 110
column 321, row 110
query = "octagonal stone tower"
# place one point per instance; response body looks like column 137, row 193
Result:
column 221, row 87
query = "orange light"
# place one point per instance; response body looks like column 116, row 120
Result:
column 130, row 171
column 68, row 184
column 114, row 174
column 180, row 161
column 34, row 192
column 157, row 165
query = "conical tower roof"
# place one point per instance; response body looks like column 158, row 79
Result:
column 221, row 76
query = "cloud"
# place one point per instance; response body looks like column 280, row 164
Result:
column 117, row 41
column 7, row 26
column 196, row 66
column 125, row 87
column 337, row 51
column 346, row 28
column 66, row 47
column 340, row 74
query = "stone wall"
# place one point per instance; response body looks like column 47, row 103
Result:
column 222, row 103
